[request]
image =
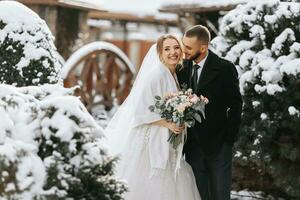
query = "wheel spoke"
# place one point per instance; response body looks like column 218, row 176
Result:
column 102, row 77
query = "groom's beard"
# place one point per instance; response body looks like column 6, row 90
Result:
column 195, row 56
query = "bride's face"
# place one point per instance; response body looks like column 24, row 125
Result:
column 171, row 52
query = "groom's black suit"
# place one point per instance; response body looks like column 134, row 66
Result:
column 208, row 148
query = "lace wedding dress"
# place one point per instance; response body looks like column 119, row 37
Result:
column 152, row 168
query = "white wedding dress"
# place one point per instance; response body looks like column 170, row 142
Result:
column 151, row 167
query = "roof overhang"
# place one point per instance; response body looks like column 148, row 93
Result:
column 126, row 17
column 195, row 8
column 75, row 4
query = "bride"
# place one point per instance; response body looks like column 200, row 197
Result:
column 152, row 168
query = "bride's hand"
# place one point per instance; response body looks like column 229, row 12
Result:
column 174, row 128
column 171, row 126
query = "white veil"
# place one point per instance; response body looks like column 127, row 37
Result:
column 133, row 118
column 123, row 121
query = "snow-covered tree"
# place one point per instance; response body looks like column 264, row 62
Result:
column 51, row 147
column 262, row 38
column 22, row 172
column 27, row 52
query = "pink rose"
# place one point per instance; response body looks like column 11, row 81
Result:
column 204, row 99
column 194, row 99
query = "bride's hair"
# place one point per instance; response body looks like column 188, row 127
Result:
column 160, row 42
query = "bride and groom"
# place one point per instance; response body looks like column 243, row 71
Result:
column 200, row 166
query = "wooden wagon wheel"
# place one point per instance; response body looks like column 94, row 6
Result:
column 103, row 72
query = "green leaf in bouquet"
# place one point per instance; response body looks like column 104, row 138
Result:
column 169, row 116
column 188, row 115
column 151, row 108
column 184, row 86
column 198, row 117
column 203, row 113
column 157, row 97
column 158, row 104
column 174, row 140
column 188, row 119
column 190, row 123
column 177, row 140
column 198, row 107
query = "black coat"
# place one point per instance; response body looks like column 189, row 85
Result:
column 219, row 83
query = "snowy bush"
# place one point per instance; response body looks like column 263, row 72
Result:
column 27, row 52
column 22, row 172
column 262, row 38
column 51, row 147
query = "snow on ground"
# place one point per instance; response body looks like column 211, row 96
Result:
column 246, row 195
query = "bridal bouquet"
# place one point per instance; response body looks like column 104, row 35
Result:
column 182, row 108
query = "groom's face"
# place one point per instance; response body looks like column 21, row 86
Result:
column 193, row 48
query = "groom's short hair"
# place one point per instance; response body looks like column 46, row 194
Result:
column 200, row 32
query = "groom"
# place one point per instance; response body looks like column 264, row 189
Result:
column 208, row 148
